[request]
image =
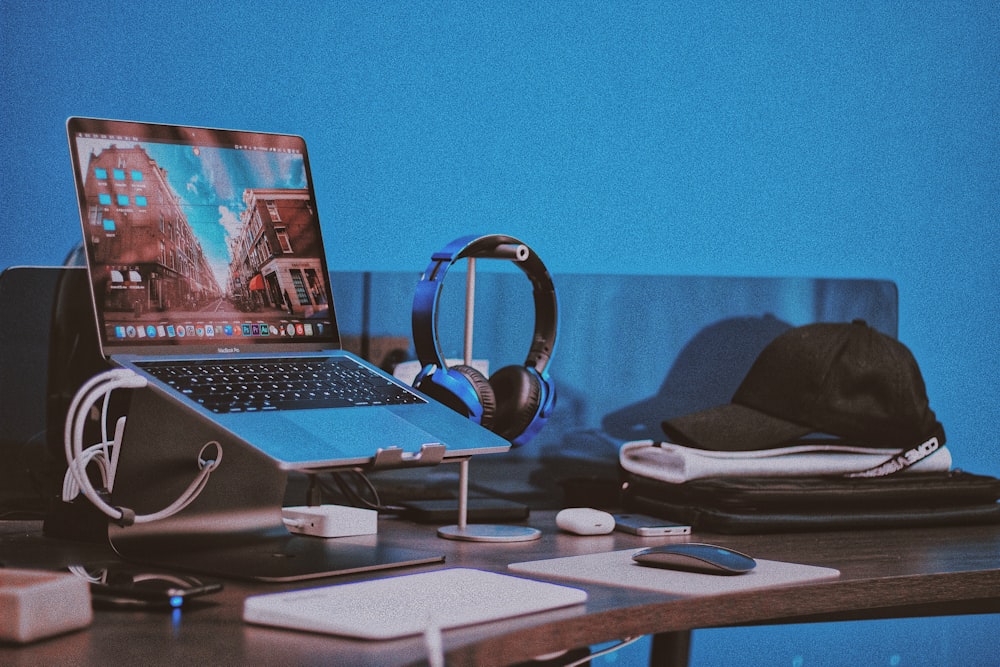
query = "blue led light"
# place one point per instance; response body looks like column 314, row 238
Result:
column 176, row 601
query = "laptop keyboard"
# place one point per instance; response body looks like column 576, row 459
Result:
column 279, row 384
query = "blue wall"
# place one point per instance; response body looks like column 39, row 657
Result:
column 728, row 138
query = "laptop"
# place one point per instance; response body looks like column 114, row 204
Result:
column 209, row 277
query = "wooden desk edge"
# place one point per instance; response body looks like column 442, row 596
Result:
column 885, row 574
column 952, row 593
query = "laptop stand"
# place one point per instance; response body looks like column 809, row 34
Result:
column 234, row 528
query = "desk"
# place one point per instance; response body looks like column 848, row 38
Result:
column 884, row 574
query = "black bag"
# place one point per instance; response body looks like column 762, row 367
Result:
column 785, row 504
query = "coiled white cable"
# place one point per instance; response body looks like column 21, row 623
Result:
column 105, row 453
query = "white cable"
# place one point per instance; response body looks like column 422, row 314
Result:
column 116, row 452
column 98, row 577
column 86, row 398
column 75, row 404
column 611, row 649
column 434, row 643
column 105, row 453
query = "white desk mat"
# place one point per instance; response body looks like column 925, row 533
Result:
column 616, row 568
column 409, row 604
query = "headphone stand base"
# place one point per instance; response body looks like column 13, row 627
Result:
column 489, row 533
column 481, row 532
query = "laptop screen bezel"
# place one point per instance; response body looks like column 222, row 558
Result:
column 139, row 132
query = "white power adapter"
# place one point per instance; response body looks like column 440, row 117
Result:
column 330, row 520
column 39, row 604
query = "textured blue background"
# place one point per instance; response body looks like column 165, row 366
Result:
column 730, row 138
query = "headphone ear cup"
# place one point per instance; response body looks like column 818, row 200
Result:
column 461, row 388
column 518, row 393
column 484, row 392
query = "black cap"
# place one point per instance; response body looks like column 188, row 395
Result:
column 837, row 379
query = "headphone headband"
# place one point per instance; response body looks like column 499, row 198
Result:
column 493, row 246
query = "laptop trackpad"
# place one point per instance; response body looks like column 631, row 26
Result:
column 355, row 433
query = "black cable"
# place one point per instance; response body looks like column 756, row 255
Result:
column 340, row 486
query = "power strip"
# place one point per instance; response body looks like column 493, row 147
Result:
column 330, row 520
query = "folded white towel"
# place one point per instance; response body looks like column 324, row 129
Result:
column 673, row 463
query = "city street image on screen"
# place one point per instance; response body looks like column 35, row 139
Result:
column 194, row 243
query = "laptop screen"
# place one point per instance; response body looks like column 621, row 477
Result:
column 200, row 238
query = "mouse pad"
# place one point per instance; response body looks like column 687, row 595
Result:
column 616, row 568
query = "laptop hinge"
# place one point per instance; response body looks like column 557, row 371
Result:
column 430, row 454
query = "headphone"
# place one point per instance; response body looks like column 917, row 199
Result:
column 516, row 401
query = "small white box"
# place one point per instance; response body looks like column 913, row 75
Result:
column 330, row 520
column 36, row 604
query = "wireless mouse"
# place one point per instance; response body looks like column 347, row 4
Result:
column 696, row 557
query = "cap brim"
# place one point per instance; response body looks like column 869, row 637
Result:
column 732, row 428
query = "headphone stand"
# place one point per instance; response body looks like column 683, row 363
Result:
column 462, row 530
